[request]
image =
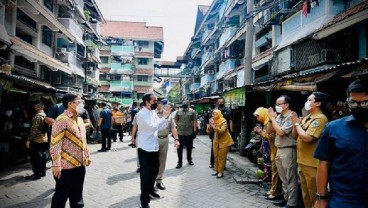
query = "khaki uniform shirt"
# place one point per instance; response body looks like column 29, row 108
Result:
column 165, row 132
column 313, row 125
column 184, row 122
column 286, row 125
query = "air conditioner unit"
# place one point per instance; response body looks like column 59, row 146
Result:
column 210, row 72
column 330, row 55
column 61, row 50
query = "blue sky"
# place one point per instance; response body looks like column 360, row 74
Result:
column 177, row 17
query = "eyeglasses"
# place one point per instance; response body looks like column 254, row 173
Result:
column 355, row 104
column 278, row 104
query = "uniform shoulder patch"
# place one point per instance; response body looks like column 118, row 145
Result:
column 315, row 123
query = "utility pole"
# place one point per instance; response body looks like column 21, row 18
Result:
column 248, row 49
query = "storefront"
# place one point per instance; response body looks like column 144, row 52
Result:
column 16, row 96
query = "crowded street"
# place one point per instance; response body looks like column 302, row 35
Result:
column 112, row 181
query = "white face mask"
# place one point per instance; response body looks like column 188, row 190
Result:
column 8, row 113
column 80, row 108
column 307, row 105
column 278, row 109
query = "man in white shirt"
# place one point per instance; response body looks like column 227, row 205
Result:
column 148, row 145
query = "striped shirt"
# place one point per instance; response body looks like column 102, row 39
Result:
column 68, row 146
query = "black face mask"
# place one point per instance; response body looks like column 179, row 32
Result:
column 360, row 114
column 185, row 106
column 153, row 106
column 221, row 105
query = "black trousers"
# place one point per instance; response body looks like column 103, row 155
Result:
column 105, row 136
column 186, row 141
column 120, row 131
column 70, row 185
column 149, row 162
column 38, row 153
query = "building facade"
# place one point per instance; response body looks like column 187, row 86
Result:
column 128, row 60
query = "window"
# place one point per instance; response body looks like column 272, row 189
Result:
column 142, row 78
column 104, row 59
column 143, row 44
column 24, row 18
column 142, row 61
column 49, row 4
column 46, row 36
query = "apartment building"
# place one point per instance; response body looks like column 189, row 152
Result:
column 52, row 43
column 297, row 47
column 128, row 60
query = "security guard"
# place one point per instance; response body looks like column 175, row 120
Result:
column 307, row 133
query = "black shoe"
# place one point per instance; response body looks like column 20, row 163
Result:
column 220, row 176
column 138, row 170
column 193, row 147
column 108, row 149
column 289, row 207
column 179, row 165
column 190, row 163
column 42, row 174
column 273, row 198
column 280, row 203
column 130, row 144
column 101, row 150
column 211, row 166
column 32, row 177
column 145, row 206
column 160, row 186
column 155, row 195
column 214, row 174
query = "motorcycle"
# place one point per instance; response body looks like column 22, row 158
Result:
column 253, row 147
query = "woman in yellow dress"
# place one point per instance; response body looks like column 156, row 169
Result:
column 221, row 142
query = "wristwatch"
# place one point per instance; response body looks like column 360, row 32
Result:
column 320, row 197
column 297, row 124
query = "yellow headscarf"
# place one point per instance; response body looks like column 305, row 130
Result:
column 263, row 114
column 217, row 117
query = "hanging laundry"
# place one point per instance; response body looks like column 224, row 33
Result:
column 306, row 7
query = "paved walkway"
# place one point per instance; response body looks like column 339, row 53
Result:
column 111, row 181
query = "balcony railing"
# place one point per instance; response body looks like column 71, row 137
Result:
column 122, row 50
column 119, row 86
column 73, row 27
column 226, row 35
column 194, row 86
column 206, row 79
column 118, row 68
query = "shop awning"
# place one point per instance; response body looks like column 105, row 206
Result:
column 351, row 17
column 51, row 18
column 32, row 52
column 4, row 35
column 27, row 82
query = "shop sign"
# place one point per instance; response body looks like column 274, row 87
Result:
column 235, row 97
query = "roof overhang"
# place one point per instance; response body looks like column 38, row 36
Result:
column 352, row 20
column 32, row 52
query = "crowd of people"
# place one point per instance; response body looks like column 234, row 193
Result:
column 327, row 160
